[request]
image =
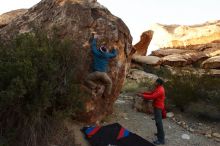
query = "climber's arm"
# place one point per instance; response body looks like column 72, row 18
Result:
column 94, row 47
column 113, row 53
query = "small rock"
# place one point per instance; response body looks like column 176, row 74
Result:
column 208, row 135
column 126, row 118
column 217, row 135
column 123, row 115
column 217, row 139
column 170, row 114
column 128, row 97
column 185, row 136
column 119, row 101
column 184, row 126
column 208, row 132
column 191, row 130
column 200, row 124
column 183, row 123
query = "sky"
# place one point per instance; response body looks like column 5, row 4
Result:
column 139, row 15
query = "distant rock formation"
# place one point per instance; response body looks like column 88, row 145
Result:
column 9, row 16
column 188, row 45
column 140, row 50
column 76, row 20
column 142, row 46
column 183, row 36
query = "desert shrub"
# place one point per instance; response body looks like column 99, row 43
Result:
column 37, row 85
column 186, row 88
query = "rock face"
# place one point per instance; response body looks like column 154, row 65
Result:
column 149, row 60
column 141, row 76
column 140, row 50
column 175, row 36
column 143, row 81
column 213, row 62
column 142, row 45
column 6, row 18
column 187, row 45
column 142, row 105
column 76, row 20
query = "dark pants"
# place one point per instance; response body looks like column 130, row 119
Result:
column 159, row 124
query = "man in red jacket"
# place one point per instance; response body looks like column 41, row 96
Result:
column 158, row 97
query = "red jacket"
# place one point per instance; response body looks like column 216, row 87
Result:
column 158, row 97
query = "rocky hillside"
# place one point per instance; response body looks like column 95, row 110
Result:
column 76, row 20
column 180, row 36
column 6, row 18
column 197, row 45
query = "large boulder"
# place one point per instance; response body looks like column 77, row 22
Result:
column 138, row 80
column 149, row 60
column 76, row 20
column 141, row 76
column 184, row 59
column 142, row 105
column 166, row 52
column 6, row 18
column 212, row 63
column 176, row 60
column 212, row 50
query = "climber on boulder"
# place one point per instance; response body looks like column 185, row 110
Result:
column 101, row 58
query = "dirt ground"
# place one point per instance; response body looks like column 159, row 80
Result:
column 143, row 125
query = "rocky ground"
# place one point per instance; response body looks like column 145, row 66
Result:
column 176, row 133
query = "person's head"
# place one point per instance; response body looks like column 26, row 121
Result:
column 159, row 82
column 103, row 49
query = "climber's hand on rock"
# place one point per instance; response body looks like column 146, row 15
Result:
column 96, row 36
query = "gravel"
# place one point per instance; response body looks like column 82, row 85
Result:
column 143, row 125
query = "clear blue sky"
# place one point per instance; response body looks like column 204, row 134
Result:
column 140, row 14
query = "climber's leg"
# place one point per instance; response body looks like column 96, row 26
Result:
column 90, row 80
column 108, row 84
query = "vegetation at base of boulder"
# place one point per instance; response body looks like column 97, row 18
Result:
column 187, row 88
column 37, row 86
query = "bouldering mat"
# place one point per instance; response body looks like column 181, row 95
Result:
column 113, row 135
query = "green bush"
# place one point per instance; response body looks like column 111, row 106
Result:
column 186, row 85
column 184, row 88
column 37, row 84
